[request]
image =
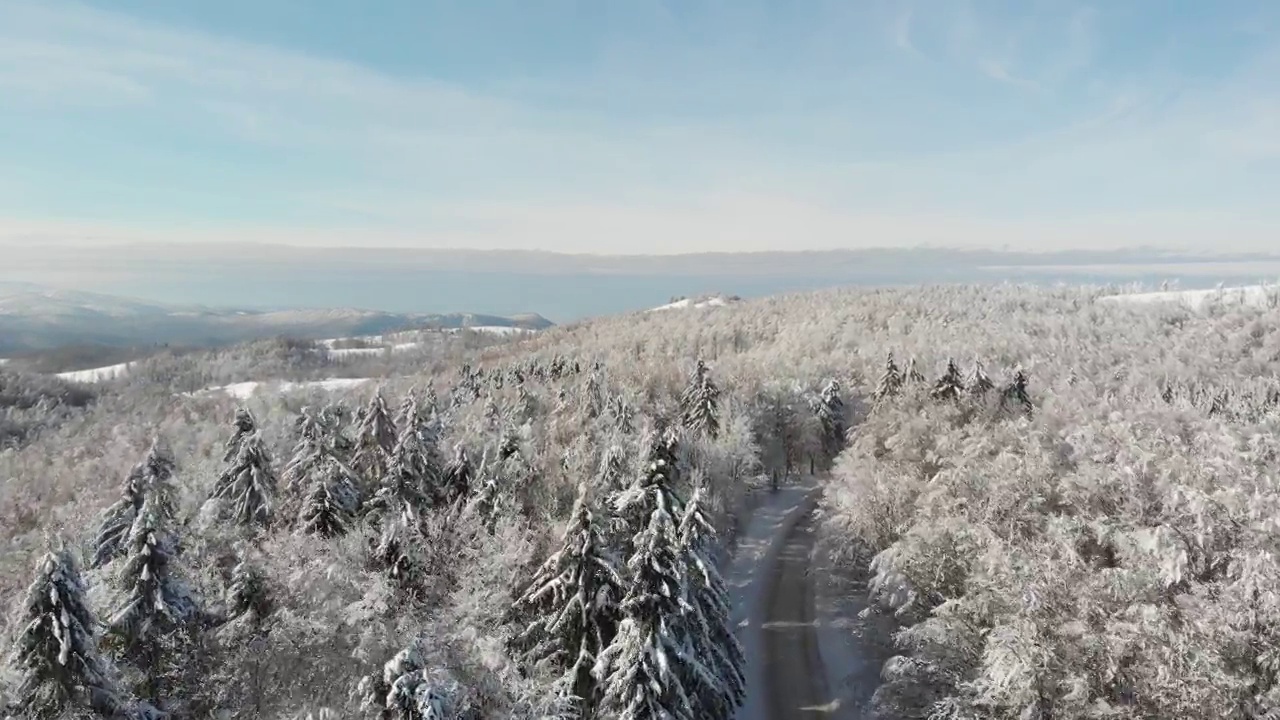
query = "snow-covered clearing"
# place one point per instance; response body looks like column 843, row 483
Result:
column 110, row 372
column 246, row 390
column 749, row 581
column 689, row 303
column 1248, row 295
column 349, row 352
column 492, row 329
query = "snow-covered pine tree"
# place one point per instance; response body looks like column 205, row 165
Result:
column 1015, row 394
column 950, row 386
column 890, row 380
column 979, row 384
column 623, row 414
column 410, row 689
column 331, row 503
column 396, row 554
column 593, row 396
column 157, row 600
column 829, row 408
column 247, row 594
column 245, row 425
column 643, row 671
column 56, row 653
column 456, row 481
column 700, row 403
column 375, row 439
column 571, row 606
column 913, row 374
column 405, row 490
column 716, row 680
column 248, row 486
column 151, row 477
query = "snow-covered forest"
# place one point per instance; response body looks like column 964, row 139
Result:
column 1054, row 507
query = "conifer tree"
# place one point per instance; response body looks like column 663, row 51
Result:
column 247, row 595
column 331, row 503
column 456, row 481
column 644, row 670
column 1016, row 393
column 396, row 553
column 405, row 490
column 410, row 689
column 157, row 601
column 829, row 408
column 375, row 439
column 715, row 676
column 950, row 386
column 700, row 403
column 890, row 380
column 56, row 653
column 913, row 374
column 249, row 484
column 151, row 476
column 979, row 384
column 571, row 606
column 245, row 425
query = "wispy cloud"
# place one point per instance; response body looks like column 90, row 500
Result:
column 706, row 127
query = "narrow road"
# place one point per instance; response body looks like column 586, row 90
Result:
column 795, row 682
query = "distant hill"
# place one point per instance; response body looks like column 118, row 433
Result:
column 38, row 319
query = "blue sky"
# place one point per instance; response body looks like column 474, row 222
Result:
column 643, row 126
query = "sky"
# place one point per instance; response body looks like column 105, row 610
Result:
column 642, row 126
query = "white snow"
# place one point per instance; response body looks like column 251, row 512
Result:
column 689, row 303
column 4, row 361
column 847, row 642
column 492, row 329
column 1248, row 295
column 748, row 580
column 348, row 352
column 99, row 374
column 246, row 390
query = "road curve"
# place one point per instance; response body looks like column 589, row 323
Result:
column 795, row 681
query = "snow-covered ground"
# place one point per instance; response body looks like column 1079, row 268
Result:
column 853, row 648
column 110, row 372
column 349, row 352
column 1248, row 295
column 492, row 330
column 689, row 303
column 748, row 579
column 246, row 390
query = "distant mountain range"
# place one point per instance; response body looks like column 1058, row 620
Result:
column 34, row 318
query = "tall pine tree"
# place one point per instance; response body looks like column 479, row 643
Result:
column 700, row 403
column 56, row 654
column 248, row 486
column 571, row 607
column 890, row 380
column 151, row 476
column 715, row 678
column 645, row 669
column 375, row 439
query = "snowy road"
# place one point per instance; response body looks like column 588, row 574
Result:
column 796, row 682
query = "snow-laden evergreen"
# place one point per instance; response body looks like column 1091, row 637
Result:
column 950, row 386
column 156, row 597
column 152, row 475
column 890, row 381
column 456, row 479
column 571, row 606
column 329, row 508
column 979, row 383
column 248, row 485
column 397, row 553
column 1015, row 396
column 716, row 681
column 644, row 670
column 410, row 689
column 316, row 431
column 828, row 407
column 247, row 594
column 375, row 439
column 245, row 425
column 912, row 373
column 408, row 487
column 56, row 653
column 700, row 403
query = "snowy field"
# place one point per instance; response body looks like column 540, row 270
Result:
column 246, row 390
column 689, row 303
column 1248, row 295
column 110, row 372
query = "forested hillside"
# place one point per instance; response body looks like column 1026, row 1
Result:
column 1064, row 506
